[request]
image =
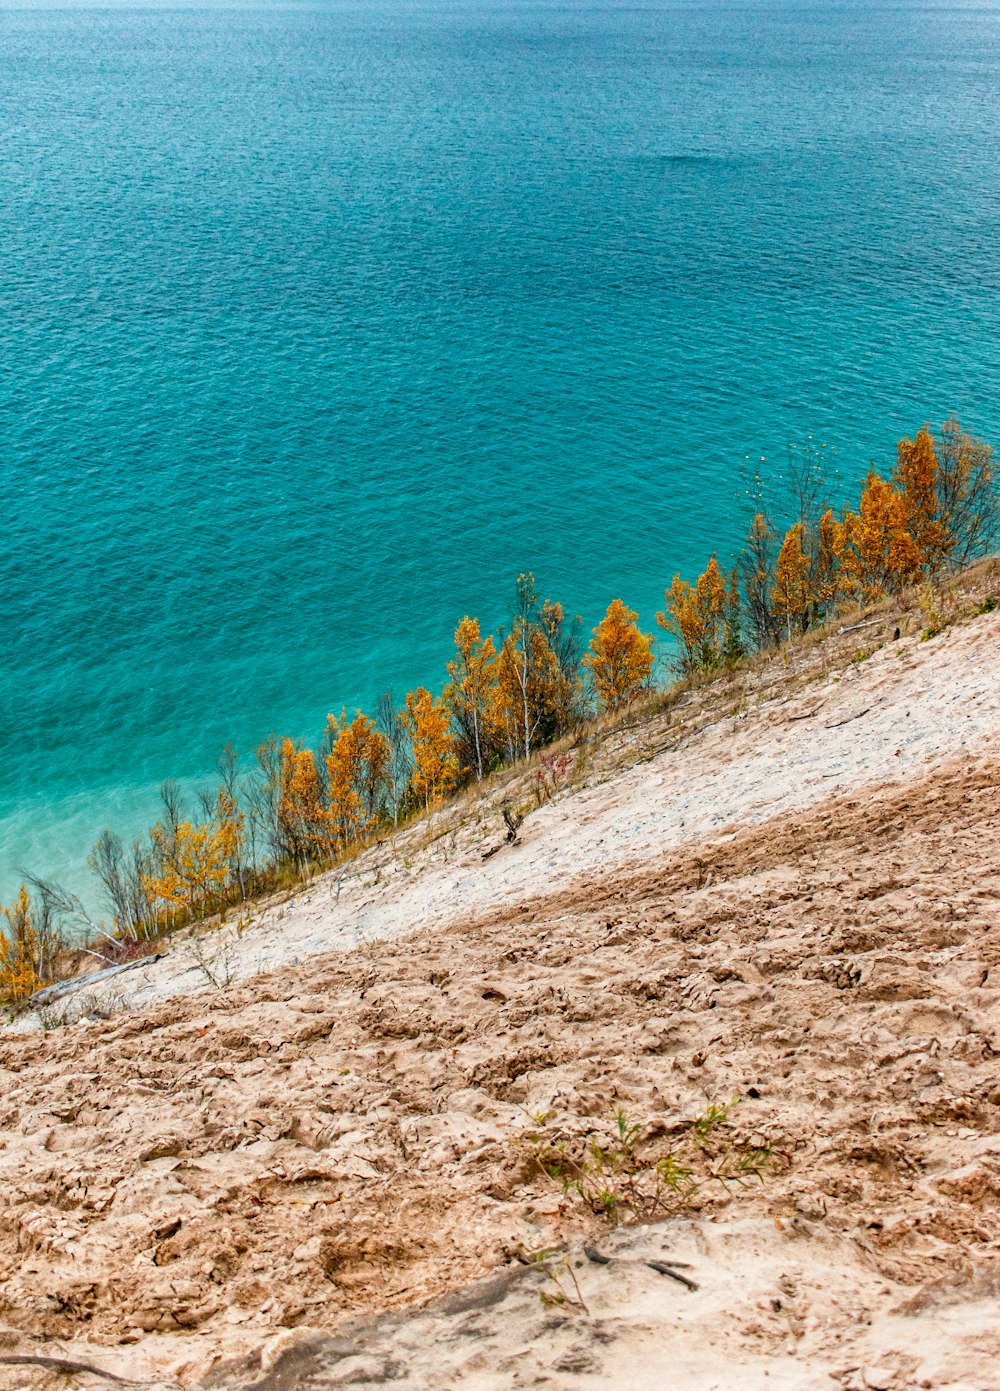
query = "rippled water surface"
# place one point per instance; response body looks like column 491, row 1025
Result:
column 319, row 322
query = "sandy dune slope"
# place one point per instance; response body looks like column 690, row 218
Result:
column 856, row 726
column 268, row 1184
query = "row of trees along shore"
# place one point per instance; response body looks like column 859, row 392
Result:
column 299, row 810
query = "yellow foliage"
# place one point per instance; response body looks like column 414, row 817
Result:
column 620, row 658
column 435, row 767
column 194, row 864
column 20, row 974
column 533, row 695
column 916, row 478
column 302, row 817
column 875, row 551
column 824, row 578
column 792, row 593
column 705, row 616
column 356, row 768
column 468, row 694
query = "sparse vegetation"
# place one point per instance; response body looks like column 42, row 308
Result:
column 298, row 811
column 621, row 1174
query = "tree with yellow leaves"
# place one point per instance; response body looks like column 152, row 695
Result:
column 468, row 694
column 356, row 770
column 792, row 595
column 874, row 549
column 194, row 865
column 303, row 820
column 916, row 478
column 824, row 569
column 20, row 966
column 620, row 658
column 705, row 617
column 537, row 689
column 435, row 766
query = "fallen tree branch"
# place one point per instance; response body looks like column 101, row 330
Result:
column 64, row 1364
column 856, row 627
column 662, row 1268
column 670, row 1268
column 66, row 987
column 847, row 719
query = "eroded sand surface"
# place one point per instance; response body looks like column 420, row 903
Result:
column 257, row 1185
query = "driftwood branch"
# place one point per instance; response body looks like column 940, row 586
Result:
column 835, row 724
column 512, row 820
column 67, row 1365
column 66, row 987
column 856, row 627
column 662, row 1268
column 672, row 1269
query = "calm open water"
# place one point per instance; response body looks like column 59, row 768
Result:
column 318, row 322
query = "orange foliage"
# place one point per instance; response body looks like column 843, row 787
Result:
column 916, row 478
column 468, row 694
column 435, row 767
column 792, row 594
column 356, row 768
column 824, row 574
column 302, row 817
column 536, row 685
column 875, row 551
column 194, row 864
column 620, row 658
column 705, row 616
column 20, row 973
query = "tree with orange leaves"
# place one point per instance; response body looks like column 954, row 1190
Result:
column 537, row 686
column 356, row 769
column 916, row 478
column 874, row 549
column 20, row 966
column 620, row 658
column 435, row 766
column 792, row 595
column 471, row 677
column 193, row 866
column 824, row 569
column 705, row 617
column 303, row 821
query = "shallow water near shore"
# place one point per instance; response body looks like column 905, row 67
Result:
column 319, row 322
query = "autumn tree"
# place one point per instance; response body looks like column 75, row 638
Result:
column 21, row 969
column 916, row 479
column 792, row 596
column 435, row 765
column 824, row 568
column 705, row 617
column 193, row 864
column 538, row 687
column 874, row 549
column 468, row 693
column 303, row 820
column 356, row 763
column 620, row 658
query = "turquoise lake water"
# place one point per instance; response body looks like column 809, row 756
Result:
column 320, row 322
